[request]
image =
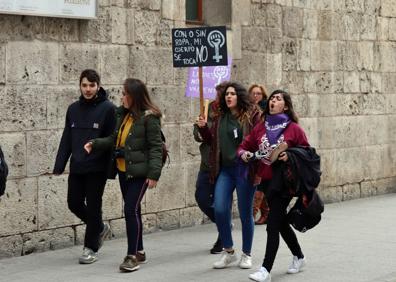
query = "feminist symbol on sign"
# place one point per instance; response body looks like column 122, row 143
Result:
column 220, row 72
column 216, row 40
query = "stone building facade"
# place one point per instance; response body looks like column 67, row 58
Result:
column 336, row 57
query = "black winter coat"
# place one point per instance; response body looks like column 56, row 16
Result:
column 301, row 173
column 86, row 120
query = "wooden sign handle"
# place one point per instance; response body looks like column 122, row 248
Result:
column 201, row 97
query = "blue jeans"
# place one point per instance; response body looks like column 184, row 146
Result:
column 228, row 179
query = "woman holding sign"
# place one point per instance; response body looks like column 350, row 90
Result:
column 234, row 119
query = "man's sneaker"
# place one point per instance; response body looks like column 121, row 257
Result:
column 296, row 265
column 226, row 259
column 106, row 232
column 261, row 275
column 130, row 264
column 141, row 257
column 217, row 247
column 246, row 261
column 88, row 256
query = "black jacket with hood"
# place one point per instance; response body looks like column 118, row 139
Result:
column 85, row 120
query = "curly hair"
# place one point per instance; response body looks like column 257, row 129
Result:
column 244, row 104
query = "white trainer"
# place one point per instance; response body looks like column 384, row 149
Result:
column 261, row 275
column 296, row 265
column 225, row 259
column 88, row 256
column 246, row 261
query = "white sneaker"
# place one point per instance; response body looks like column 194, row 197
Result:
column 246, row 261
column 88, row 256
column 296, row 265
column 261, row 275
column 225, row 259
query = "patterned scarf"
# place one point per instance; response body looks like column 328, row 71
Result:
column 275, row 125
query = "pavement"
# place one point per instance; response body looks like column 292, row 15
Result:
column 355, row 241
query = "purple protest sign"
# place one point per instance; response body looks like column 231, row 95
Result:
column 212, row 76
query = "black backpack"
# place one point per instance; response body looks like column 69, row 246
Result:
column 3, row 173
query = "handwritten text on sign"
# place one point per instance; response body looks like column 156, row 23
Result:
column 206, row 46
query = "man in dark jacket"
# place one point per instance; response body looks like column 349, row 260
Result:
column 91, row 117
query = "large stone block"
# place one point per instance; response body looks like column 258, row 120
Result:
column 289, row 54
column 331, row 194
column 368, row 28
column 164, row 31
column 2, row 64
column 20, row 28
column 350, row 192
column 190, row 217
column 41, row 159
column 307, row 4
column 389, row 83
column 323, row 82
column 58, row 29
column 328, row 24
column 159, row 67
column 150, row 224
column 350, row 165
column 47, row 240
column 310, row 24
column 366, row 56
column 22, row 108
column 322, row 5
column 293, row 81
column 310, row 126
column 240, row 12
column 292, row 22
column 273, row 16
column 347, row 56
column 329, row 167
column 352, row 23
column 384, row 186
column 114, row 64
column 326, row 133
column 99, row 29
column 79, row 234
column 378, row 162
column 367, row 189
column 323, row 55
column 168, row 220
column 58, row 100
column 32, row 62
column 174, row 10
column 76, row 57
column 18, row 209
column 170, row 192
column 382, row 28
column 254, row 38
column 172, row 103
column 273, row 77
column 146, row 25
column 300, row 104
column 351, row 82
column 14, row 149
column 11, row 246
column 392, row 29
column 388, row 8
column 52, row 203
column 387, row 52
column 137, row 63
column 304, row 55
column 322, row 105
column 354, row 6
column 372, row 7
column 118, row 228
column 373, row 104
column 112, row 200
column 122, row 27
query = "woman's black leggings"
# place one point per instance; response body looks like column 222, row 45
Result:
column 133, row 190
column 277, row 223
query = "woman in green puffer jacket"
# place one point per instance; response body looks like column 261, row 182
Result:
column 137, row 159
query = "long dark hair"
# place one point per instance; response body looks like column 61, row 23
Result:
column 288, row 102
column 244, row 104
column 141, row 101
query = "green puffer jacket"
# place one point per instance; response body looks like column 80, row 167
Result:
column 143, row 146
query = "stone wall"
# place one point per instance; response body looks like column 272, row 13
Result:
column 337, row 59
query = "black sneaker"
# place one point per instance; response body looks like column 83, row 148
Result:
column 217, row 247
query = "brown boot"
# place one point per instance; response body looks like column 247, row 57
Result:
column 258, row 198
column 264, row 210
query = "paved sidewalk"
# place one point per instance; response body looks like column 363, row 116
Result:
column 356, row 241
